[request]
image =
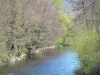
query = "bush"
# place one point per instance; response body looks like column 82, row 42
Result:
column 87, row 46
column 59, row 43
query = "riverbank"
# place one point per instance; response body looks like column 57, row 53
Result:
column 39, row 50
column 14, row 59
column 47, row 63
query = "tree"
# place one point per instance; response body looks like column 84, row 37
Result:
column 89, row 13
column 29, row 24
column 87, row 39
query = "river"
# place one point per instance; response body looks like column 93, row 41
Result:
column 55, row 62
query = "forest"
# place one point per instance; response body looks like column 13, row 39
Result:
column 27, row 26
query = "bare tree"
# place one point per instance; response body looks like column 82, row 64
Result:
column 89, row 13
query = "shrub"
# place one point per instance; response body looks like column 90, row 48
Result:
column 87, row 46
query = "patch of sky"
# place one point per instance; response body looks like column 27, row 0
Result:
column 69, row 1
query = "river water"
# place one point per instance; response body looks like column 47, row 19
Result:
column 55, row 62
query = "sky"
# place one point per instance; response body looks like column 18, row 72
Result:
column 68, row 7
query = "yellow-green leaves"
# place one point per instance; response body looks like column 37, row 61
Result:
column 66, row 22
column 66, row 19
column 64, row 28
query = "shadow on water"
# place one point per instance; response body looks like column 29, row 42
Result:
column 53, row 62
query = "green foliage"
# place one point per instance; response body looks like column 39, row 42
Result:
column 66, row 19
column 87, row 46
column 59, row 43
column 66, row 24
column 59, row 4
